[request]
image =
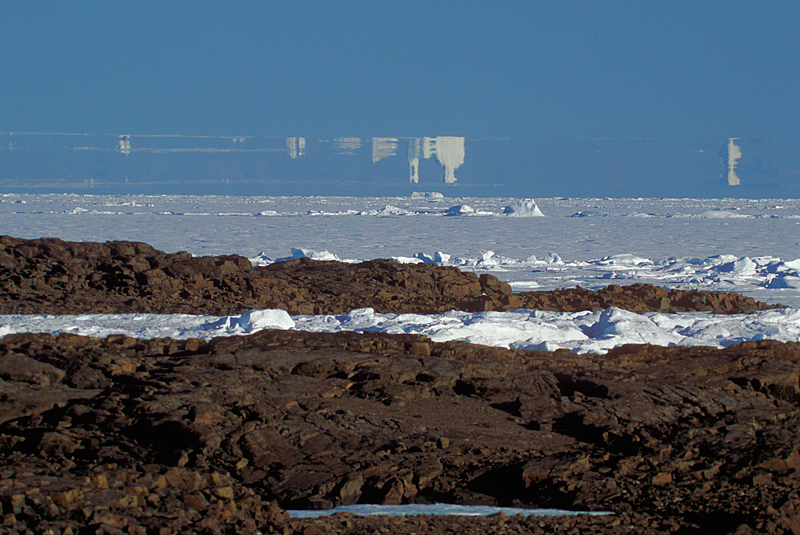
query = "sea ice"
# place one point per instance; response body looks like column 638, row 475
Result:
column 681, row 243
column 580, row 332
column 314, row 255
column 438, row 509
column 523, row 208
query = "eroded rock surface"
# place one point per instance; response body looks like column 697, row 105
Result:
column 119, row 435
column 140, row 436
column 51, row 276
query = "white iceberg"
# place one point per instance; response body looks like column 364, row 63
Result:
column 460, row 209
column 314, row 255
column 523, row 208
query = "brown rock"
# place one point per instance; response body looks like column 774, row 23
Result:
column 56, row 277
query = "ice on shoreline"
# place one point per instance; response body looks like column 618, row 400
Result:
column 719, row 272
column 579, row 332
column 437, row 509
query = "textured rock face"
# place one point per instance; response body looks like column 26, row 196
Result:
column 56, row 277
column 212, row 437
column 120, row 435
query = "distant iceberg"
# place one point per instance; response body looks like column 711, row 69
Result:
column 433, row 195
column 523, row 208
column 460, row 209
column 307, row 253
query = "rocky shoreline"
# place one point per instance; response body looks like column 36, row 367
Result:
column 51, row 276
column 119, row 435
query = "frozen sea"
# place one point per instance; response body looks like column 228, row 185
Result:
column 748, row 246
column 744, row 245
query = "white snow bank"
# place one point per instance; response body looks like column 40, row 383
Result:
column 580, row 332
column 523, row 208
column 145, row 326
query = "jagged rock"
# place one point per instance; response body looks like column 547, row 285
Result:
column 202, row 436
column 149, row 436
column 50, row 276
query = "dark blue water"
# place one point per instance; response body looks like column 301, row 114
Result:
column 228, row 165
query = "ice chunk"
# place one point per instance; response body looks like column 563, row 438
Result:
column 783, row 280
column 488, row 259
column 439, row 509
column 460, row 209
column 431, row 195
column 252, row 321
column 793, row 264
column 314, row 255
column 523, row 208
column 628, row 328
column 553, row 258
column 743, row 267
column 622, row 260
column 409, row 260
column 441, row 258
column 256, row 320
column 261, row 259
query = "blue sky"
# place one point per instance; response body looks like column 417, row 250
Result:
column 479, row 69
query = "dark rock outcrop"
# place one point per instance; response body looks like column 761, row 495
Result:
column 119, row 435
column 50, row 276
column 140, row 436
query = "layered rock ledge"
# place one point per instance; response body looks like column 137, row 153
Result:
column 120, row 435
column 51, row 276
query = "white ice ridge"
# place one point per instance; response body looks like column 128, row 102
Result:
column 719, row 272
column 438, row 509
column 579, row 332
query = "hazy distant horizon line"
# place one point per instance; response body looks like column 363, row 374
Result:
column 366, row 137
